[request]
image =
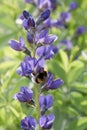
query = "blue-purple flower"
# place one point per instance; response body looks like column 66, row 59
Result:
column 47, row 23
column 45, row 103
column 29, row 66
column 67, row 43
column 51, row 83
column 58, row 23
column 29, row 1
column 30, row 37
column 43, row 4
column 18, row 45
column 47, row 51
column 46, row 122
column 65, row 16
column 43, row 16
column 25, row 95
column 44, row 38
column 34, row 27
column 61, row 23
column 80, row 30
column 25, row 14
column 73, row 5
column 28, row 21
column 54, row 4
column 33, row 66
column 41, row 37
column 28, row 123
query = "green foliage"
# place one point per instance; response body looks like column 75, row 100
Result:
column 70, row 106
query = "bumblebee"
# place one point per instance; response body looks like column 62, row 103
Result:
column 41, row 76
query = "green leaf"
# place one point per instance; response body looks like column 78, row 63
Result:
column 13, row 71
column 64, row 60
column 75, row 69
column 78, row 124
column 14, row 111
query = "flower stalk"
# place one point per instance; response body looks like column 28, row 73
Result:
column 37, row 95
column 33, row 67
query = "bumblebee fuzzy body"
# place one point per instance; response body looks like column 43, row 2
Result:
column 41, row 77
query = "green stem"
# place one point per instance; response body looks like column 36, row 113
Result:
column 37, row 94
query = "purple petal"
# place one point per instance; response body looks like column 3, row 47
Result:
column 40, row 40
column 49, row 80
column 49, row 101
column 47, row 51
column 40, row 62
column 25, row 14
column 21, row 17
column 40, row 51
column 36, row 36
column 53, row 4
column 29, row 1
column 15, row 45
column 43, row 33
column 47, row 23
column 68, row 44
column 31, row 22
column 65, row 16
column 28, row 123
column 47, row 39
column 56, row 83
column 39, row 2
column 25, row 94
column 22, row 89
column 50, row 38
column 25, row 24
column 22, row 42
column 73, row 5
column 32, row 122
column 44, row 4
column 24, row 123
column 55, row 49
column 51, row 119
column 20, row 96
column 42, row 100
column 19, row 71
column 57, row 23
column 24, row 69
column 29, row 93
column 80, row 30
column 45, row 14
column 29, row 37
column 42, row 121
column 50, row 51
column 31, row 61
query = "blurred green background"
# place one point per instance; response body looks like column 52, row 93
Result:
column 70, row 100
